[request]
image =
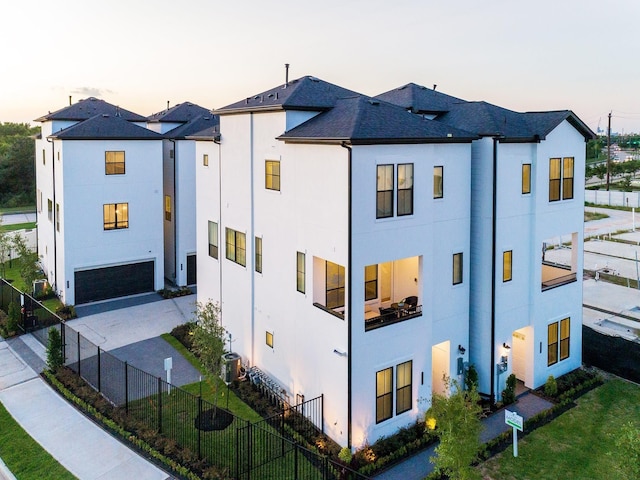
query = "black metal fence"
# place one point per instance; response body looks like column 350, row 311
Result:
column 612, row 354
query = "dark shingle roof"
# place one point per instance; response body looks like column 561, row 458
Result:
column 106, row 127
column 306, row 93
column 362, row 120
column 419, row 99
column 199, row 125
column 180, row 113
column 89, row 107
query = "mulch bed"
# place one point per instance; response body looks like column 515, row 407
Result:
column 213, row 419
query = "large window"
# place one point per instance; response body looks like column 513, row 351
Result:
column 114, row 163
column 300, row 272
column 405, row 189
column 506, row 265
column 371, row 282
column 438, row 182
column 236, row 247
column 404, row 387
column 457, row 268
column 335, row 285
column 258, row 249
column 560, row 179
column 384, row 198
column 213, row 239
column 272, row 175
column 116, row 216
column 558, row 334
column 526, row 178
column 384, row 394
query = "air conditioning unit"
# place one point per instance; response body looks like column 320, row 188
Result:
column 39, row 286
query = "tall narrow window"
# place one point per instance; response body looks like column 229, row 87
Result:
column 114, row 163
column 438, row 182
column 552, row 343
column 38, row 200
column 567, row 178
column 236, row 247
column 116, row 216
column 269, row 339
column 205, row 159
column 50, row 210
column 384, row 394
column 526, row 178
column 44, row 156
column 213, row 239
column 371, row 282
column 384, row 198
column 404, row 387
column 300, row 272
column 565, row 334
column 335, row 285
column 457, row 268
column 258, row 249
column 554, row 179
column 167, row 208
column 506, row 265
column 272, row 175
column 405, row 189
column 58, row 217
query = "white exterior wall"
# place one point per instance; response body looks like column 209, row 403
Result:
column 85, row 189
column 185, row 210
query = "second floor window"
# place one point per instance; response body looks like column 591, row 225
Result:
column 272, row 175
column 384, row 191
column 506, row 265
column 114, row 163
column 258, row 249
column 300, row 272
column 116, row 216
column 405, row 189
column 213, row 239
column 438, row 182
column 526, row 178
column 335, row 285
column 457, row 268
column 236, row 247
column 167, row 208
column 560, row 179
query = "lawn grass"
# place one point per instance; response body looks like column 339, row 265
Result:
column 588, row 216
column 24, row 456
column 578, row 444
column 18, row 226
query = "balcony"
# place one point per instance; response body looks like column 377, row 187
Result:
column 389, row 316
column 555, row 275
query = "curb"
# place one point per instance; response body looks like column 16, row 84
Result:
column 5, row 473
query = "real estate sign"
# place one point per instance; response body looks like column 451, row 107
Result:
column 513, row 419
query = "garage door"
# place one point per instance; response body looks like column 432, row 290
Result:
column 112, row 282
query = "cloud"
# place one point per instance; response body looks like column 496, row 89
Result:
column 91, row 91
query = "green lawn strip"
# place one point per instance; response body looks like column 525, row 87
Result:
column 24, row 456
column 588, row 216
column 580, row 442
column 12, row 272
column 18, row 226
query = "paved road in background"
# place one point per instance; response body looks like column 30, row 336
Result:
column 13, row 218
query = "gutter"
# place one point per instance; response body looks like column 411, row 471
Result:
column 349, row 297
column 217, row 142
column 175, row 215
column 53, row 216
column 493, row 270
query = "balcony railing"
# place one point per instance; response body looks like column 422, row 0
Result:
column 391, row 317
column 555, row 275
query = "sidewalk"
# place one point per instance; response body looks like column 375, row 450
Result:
column 418, row 466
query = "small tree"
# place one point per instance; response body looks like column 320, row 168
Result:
column 458, row 427
column 27, row 261
column 509, row 393
column 551, row 387
column 5, row 249
column 13, row 313
column 54, row 350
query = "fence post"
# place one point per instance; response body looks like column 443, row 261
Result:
column 238, row 453
column 160, row 405
column 322, row 413
column 63, row 329
column 282, row 431
column 126, row 387
column 295, row 460
column 79, row 361
column 99, row 373
column 199, row 426
column 249, row 453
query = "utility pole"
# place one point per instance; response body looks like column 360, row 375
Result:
column 608, row 151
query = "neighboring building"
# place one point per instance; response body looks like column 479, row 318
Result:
column 179, row 167
column 99, row 202
column 319, row 210
column 527, row 173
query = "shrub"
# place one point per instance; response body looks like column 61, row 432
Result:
column 54, row 350
column 184, row 334
column 509, row 393
column 66, row 312
column 551, row 387
column 471, row 379
column 345, row 455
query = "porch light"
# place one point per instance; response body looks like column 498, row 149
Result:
column 506, row 346
column 461, row 349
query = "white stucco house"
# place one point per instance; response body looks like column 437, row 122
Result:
column 99, row 202
column 527, row 173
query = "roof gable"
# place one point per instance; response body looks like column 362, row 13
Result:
column 89, row 107
column 203, row 125
column 419, row 99
column 106, row 127
column 180, row 113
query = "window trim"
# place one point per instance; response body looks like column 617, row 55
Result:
column 384, row 195
column 233, row 251
column 301, row 272
column 212, row 234
column 458, row 260
column 118, row 167
column 118, row 224
column 507, row 274
column 271, row 177
column 526, row 178
column 407, row 191
column 384, row 395
column 438, row 193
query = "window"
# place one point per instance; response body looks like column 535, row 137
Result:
column 213, row 239
column 205, row 160
column 269, row 339
column 506, row 265
column 405, row 189
column 554, row 179
column 384, row 198
column 567, row 178
column 560, row 179
column 50, row 209
column 171, row 154
column 300, row 272
column 272, row 175
column 58, row 217
column 116, row 216
column 403, row 387
column 371, row 282
column 236, row 247
column 565, row 334
column 38, row 200
column 167, row 208
column 335, row 285
column 438, row 183
column 258, row 248
column 114, row 163
column 552, row 343
column 384, row 394
column 457, row 268
column 526, row 178
column 44, row 156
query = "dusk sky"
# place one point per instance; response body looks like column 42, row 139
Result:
column 582, row 55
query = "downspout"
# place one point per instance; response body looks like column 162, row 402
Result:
column 493, row 270
column 219, row 223
column 175, row 215
column 251, row 242
column 349, row 297
column 53, row 215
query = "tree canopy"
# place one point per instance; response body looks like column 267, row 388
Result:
column 17, row 168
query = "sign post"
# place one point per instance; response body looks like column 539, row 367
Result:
column 168, row 364
column 516, row 422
